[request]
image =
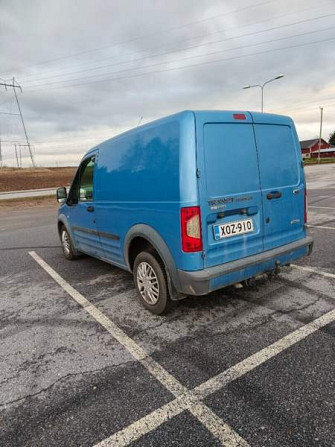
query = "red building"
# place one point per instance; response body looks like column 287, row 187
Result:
column 310, row 148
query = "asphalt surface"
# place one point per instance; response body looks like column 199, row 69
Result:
column 65, row 380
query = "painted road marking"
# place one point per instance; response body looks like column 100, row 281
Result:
column 322, row 207
column 218, row 382
column 219, row 429
column 320, row 226
column 187, row 399
column 144, row 425
column 255, row 360
column 314, row 270
column 320, row 197
column 153, row 420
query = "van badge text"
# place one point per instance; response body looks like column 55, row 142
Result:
column 222, row 203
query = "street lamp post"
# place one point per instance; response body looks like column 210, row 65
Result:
column 320, row 137
column 261, row 86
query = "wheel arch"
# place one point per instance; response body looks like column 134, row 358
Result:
column 62, row 222
column 145, row 237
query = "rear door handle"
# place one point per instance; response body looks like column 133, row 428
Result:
column 274, row 195
column 90, row 209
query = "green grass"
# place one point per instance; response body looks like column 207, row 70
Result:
column 314, row 161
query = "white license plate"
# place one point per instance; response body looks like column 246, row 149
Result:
column 233, row 228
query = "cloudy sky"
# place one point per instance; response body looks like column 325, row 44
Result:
column 91, row 69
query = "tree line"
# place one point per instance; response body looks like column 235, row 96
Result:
column 332, row 138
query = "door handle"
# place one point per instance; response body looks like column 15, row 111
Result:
column 274, row 195
column 90, row 209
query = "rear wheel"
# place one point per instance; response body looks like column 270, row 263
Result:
column 67, row 246
column 150, row 282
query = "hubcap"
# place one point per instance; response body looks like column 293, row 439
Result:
column 66, row 242
column 147, row 283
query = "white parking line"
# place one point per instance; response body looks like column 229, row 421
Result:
column 320, row 226
column 219, row 429
column 188, row 399
column 322, row 207
column 252, row 362
column 313, row 270
column 321, row 197
column 144, row 425
column 216, row 383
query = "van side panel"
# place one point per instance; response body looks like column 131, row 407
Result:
column 142, row 167
column 138, row 182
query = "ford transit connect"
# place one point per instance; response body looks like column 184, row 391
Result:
column 190, row 203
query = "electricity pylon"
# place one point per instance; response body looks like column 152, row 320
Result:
column 14, row 85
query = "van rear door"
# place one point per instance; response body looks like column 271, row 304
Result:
column 282, row 179
column 229, row 187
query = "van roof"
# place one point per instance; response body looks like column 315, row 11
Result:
column 203, row 115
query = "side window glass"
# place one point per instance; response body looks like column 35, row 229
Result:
column 86, row 181
column 73, row 193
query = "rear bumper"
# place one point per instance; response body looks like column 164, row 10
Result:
column 204, row 281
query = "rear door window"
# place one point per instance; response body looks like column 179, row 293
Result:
column 278, row 161
column 231, row 159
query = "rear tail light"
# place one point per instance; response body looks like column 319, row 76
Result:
column 305, row 206
column 191, row 229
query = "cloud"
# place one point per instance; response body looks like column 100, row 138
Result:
column 91, row 69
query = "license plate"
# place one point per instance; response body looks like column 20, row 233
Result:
column 233, row 228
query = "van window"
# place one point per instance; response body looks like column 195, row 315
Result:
column 278, row 161
column 86, row 181
column 82, row 185
column 231, row 159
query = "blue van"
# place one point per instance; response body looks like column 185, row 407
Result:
column 190, row 203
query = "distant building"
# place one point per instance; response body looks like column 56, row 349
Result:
column 310, row 148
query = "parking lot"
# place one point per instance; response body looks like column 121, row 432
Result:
column 84, row 364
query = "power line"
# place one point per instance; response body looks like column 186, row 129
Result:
column 154, row 33
column 67, row 141
column 186, row 66
column 182, row 49
column 197, row 46
column 8, row 113
column 299, row 106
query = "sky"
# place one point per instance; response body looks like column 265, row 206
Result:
column 91, row 69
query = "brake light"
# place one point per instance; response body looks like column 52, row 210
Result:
column 305, row 205
column 239, row 116
column 191, row 229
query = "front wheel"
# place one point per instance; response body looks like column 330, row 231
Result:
column 67, row 246
column 150, row 282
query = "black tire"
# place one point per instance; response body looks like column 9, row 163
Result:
column 161, row 300
column 67, row 246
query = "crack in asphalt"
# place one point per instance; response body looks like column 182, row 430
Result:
column 64, row 378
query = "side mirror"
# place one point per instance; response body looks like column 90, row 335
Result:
column 61, row 195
